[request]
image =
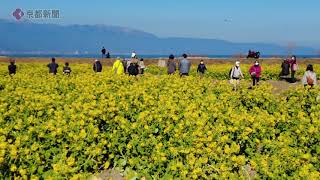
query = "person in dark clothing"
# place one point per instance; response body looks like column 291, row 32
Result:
column 108, row 55
column 97, row 66
column 171, row 66
column 53, row 66
column 103, row 51
column 124, row 63
column 12, row 68
column 133, row 69
column 201, row 68
column 66, row 69
column 285, row 68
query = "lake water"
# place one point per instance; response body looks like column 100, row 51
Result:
column 93, row 56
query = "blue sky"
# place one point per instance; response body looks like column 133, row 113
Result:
column 276, row 21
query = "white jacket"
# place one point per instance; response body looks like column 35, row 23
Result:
column 311, row 75
column 236, row 72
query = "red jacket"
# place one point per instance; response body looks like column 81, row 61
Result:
column 256, row 69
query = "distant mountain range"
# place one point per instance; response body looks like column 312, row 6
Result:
column 28, row 37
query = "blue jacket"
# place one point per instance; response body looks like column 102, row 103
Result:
column 184, row 66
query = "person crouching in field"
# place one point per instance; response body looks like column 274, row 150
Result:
column 171, row 66
column 201, row 69
column 184, row 66
column 255, row 72
column 309, row 77
column 235, row 75
column 12, row 68
column 117, row 67
column 133, row 69
column 66, row 69
column 53, row 66
column 97, row 66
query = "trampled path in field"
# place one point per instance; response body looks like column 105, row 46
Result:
column 282, row 86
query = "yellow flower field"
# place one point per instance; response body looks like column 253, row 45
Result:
column 155, row 126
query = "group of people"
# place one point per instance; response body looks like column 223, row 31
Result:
column 53, row 67
column 132, row 67
column 135, row 66
column 105, row 53
column 289, row 66
column 253, row 54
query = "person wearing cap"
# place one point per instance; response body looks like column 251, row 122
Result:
column 184, row 66
column 171, row 66
column 12, row 68
column 117, row 67
column 53, row 66
column 309, row 77
column 255, row 72
column 97, row 66
column 235, row 75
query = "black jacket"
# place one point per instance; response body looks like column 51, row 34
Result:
column 201, row 68
column 97, row 67
column 133, row 69
column 12, row 69
column 53, row 68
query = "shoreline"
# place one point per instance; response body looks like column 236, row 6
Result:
column 154, row 61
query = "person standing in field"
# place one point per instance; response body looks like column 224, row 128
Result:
column 141, row 66
column 103, row 52
column 255, row 73
column 97, row 66
column 53, row 66
column 235, row 75
column 125, row 65
column 133, row 69
column 66, row 69
column 171, row 66
column 201, row 68
column 12, row 68
column 184, row 66
column 294, row 67
column 117, row 67
column 309, row 77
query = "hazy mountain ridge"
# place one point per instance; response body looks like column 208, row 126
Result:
column 31, row 37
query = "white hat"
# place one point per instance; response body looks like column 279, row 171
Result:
column 96, row 60
column 133, row 55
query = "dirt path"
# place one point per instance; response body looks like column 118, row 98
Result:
column 108, row 174
column 282, row 86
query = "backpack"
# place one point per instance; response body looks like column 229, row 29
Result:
column 310, row 80
column 230, row 71
column 295, row 67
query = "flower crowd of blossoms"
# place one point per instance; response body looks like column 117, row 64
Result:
column 153, row 126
